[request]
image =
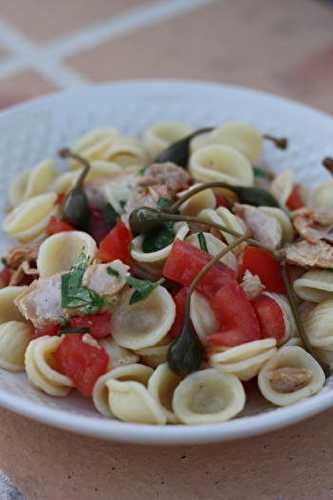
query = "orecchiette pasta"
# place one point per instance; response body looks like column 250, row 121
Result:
column 203, row 318
column 162, row 385
column 126, row 154
column 322, row 196
column 161, row 135
column 282, row 186
column 221, row 163
column 284, row 221
column 245, row 360
column 14, row 339
column 30, row 218
column 318, row 325
column 118, row 356
column 198, row 202
column 40, row 370
column 60, row 251
column 94, row 144
column 32, row 183
column 315, row 285
column 208, row 396
column 155, row 355
column 224, row 217
column 291, row 375
column 132, row 372
column 8, row 309
column 145, row 323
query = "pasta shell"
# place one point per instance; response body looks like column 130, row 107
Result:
column 145, row 323
column 322, row 196
column 315, row 285
column 131, row 402
column 200, row 141
column 198, row 202
column 155, row 355
column 214, row 246
column 245, row 360
column 156, row 258
column 127, row 154
column 161, row 386
column 60, row 251
column 32, row 183
column 14, row 339
column 30, row 218
column 98, row 169
column 291, row 375
column 8, row 309
column 118, row 356
column 282, row 186
column 163, row 134
column 284, row 221
column 202, row 316
column 241, row 136
column 40, row 370
column 134, row 372
column 288, row 317
column 227, row 219
column 221, row 163
column 208, row 396
column 319, row 327
column 94, row 144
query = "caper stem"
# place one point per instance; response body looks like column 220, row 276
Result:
column 299, row 324
column 328, row 164
column 67, row 153
column 280, row 142
column 191, row 192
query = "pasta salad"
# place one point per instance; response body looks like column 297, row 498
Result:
column 159, row 276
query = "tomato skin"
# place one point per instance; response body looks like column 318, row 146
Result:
column 116, row 244
column 57, row 225
column 236, row 316
column 81, row 362
column 99, row 324
column 270, row 317
column 60, row 198
column 295, row 201
column 51, row 330
column 184, row 263
column 5, row 276
column 262, row 263
column 98, row 228
column 179, row 299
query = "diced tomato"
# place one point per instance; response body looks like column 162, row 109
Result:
column 222, row 201
column 184, row 263
column 116, row 244
column 99, row 324
column 47, row 330
column 262, row 263
column 5, row 276
column 295, row 200
column 81, row 362
column 180, row 299
column 236, row 316
column 98, row 228
column 57, row 225
column 60, row 198
column 270, row 317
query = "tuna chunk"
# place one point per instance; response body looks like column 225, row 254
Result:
column 314, row 225
column 289, row 379
column 305, row 254
column 170, row 175
column 265, row 228
column 252, row 285
column 101, row 281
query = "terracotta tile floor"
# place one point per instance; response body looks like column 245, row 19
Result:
column 284, row 47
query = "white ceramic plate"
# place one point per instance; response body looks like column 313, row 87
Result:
column 34, row 131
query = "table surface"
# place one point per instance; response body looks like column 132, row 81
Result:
column 285, row 47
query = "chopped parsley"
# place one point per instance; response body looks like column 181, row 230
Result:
column 202, row 242
column 143, row 288
column 112, row 272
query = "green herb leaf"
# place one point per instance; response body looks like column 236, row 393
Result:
column 158, row 239
column 262, row 173
column 84, row 329
column 142, row 288
column 164, row 202
column 122, row 204
column 202, row 242
column 110, row 216
column 142, row 170
column 112, row 272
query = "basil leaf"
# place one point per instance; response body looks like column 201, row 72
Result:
column 110, row 216
column 202, row 242
column 84, row 329
column 158, row 239
column 112, row 272
column 164, row 202
column 142, row 288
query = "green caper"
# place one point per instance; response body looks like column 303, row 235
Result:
column 76, row 209
column 144, row 219
column 186, row 352
column 179, row 151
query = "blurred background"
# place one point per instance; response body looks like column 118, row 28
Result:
column 285, row 46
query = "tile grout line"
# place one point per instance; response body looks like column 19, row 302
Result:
column 48, row 60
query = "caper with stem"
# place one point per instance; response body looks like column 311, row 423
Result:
column 186, row 352
column 76, row 209
column 279, row 142
column 328, row 164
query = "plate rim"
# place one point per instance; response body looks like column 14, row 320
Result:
column 103, row 428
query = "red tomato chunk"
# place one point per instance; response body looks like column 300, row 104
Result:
column 81, row 362
column 180, row 299
column 295, row 200
column 270, row 317
column 99, row 324
column 185, row 262
column 262, row 263
column 57, row 225
column 50, row 330
column 116, row 244
column 236, row 316
column 5, row 276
